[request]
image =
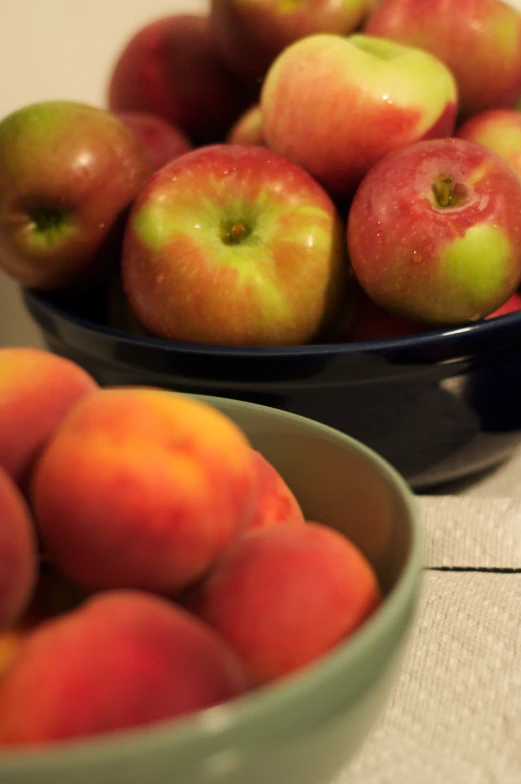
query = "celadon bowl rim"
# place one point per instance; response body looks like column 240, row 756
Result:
column 253, row 710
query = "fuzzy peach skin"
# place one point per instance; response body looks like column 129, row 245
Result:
column 123, row 659
column 10, row 642
column 37, row 389
column 18, row 559
column 276, row 504
column 285, row 595
column 142, row 488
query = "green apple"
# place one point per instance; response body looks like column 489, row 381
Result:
column 234, row 245
column 68, row 173
column 337, row 105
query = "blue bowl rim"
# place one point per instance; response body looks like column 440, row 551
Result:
column 425, row 340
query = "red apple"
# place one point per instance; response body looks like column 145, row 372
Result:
column 371, row 322
column 337, row 105
column 233, row 244
column 248, row 128
column 171, row 68
column 68, row 173
column 512, row 304
column 479, row 40
column 161, row 140
column 434, row 232
column 499, row 130
column 251, row 33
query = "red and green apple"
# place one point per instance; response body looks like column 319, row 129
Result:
column 234, row 245
column 479, row 40
column 499, row 130
column 248, row 128
column 434, row 233
column 337, row 105
column 251, row 33
column 68, row 173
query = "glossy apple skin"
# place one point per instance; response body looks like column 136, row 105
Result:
column 83, row 166
column 512, row 304
column 371, row 322
column 171, row 68
column 335, row 108
column 161, row 140
column 440, row 265
column 279, row 286
column 248, row 128
column 251, row 33
column 479, row 40
column 500, row 131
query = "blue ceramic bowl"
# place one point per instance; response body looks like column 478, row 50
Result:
column 440, row 406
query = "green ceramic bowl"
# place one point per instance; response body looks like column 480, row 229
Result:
column 307, row 727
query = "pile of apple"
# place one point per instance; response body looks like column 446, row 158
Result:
column 277, row 173
column 152, row 562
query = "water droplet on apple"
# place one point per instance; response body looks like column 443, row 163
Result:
column 416, row 257
column 379, row 238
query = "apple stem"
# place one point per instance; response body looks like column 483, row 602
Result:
column 237, row 232
column 443, row 190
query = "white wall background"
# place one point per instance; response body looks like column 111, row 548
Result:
column 64, row 49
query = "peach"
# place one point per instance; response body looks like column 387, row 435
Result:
column 10, row 642
column 275, row 502
column 283, row 596
column 142, row 488
column 37, row 389
column 18, row 560
column 122, row 660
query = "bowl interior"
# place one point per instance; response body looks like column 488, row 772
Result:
column 331, row 704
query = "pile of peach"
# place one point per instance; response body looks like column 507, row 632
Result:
column 152, row 562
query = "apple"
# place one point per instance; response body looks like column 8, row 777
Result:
column 236, row 245
column 68, row 173
column 371, row 322
column 336, row 105
column 434, row 233
column 499, row 130
column 251, row 33
column 171, row 68
column 479, row 40
column 512, row 305
column 247, row 129
column 161, row 140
